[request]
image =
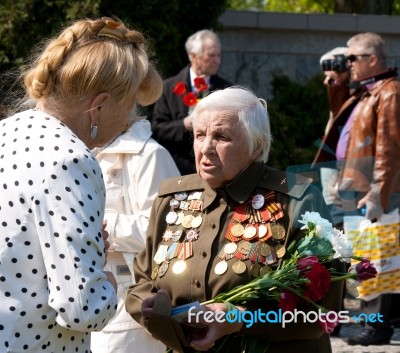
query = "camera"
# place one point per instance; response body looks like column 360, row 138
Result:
column 338, row 63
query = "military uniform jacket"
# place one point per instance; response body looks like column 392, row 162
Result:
column 167, row 122
column 199, row 280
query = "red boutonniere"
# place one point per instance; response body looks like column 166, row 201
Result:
column 192, row 98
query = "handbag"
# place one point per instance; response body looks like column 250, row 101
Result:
column 379, row 242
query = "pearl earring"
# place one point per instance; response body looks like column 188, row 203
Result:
column 93, row 131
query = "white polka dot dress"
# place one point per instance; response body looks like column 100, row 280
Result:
column 52, row 288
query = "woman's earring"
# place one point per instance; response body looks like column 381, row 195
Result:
column 93, row 131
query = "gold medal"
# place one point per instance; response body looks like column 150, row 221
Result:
column 221, row 267
column 264, row 270
column 237, row 230
column 230, row 248
column 244, row 247
column 255, row 270
column 196, row 221
column 280, row 251
column 187, row 221
column 163, row 268
column 239, row 267
column 154, row 273
column 264, row 249
column 179, row 267
column 278, row 231
column 249, row 232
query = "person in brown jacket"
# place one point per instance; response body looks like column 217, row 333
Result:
column 368, row 155
column 194, row 214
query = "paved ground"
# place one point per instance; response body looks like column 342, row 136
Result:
column 339, row 344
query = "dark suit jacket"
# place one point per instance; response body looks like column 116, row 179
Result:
column 167, row 122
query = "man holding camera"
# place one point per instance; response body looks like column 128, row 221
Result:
column 366, row 148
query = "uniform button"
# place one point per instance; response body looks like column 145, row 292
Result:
column 212, row 225
column 197, row 283
column 204, row 254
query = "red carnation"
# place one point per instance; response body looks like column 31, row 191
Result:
column 306, row 262
column 328, row 324
column 288, row 301
column 200, row 84
column 179, row 88
column 190, row 99
column 319, row 282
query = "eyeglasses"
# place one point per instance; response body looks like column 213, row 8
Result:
column 352, row 58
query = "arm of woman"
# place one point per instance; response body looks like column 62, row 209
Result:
column 69, row 217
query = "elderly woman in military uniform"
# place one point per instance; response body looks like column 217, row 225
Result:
column 222, row 227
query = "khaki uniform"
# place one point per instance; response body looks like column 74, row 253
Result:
column 199, row 282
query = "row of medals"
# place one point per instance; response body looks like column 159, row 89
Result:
column 254, row 234
column 183, row 221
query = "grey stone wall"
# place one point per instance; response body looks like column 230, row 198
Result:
column 256, row 44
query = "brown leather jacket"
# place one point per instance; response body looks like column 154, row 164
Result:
column 372, row 158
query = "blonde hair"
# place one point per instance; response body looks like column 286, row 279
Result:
column 90, row 57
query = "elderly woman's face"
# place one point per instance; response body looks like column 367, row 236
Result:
column 220, row 148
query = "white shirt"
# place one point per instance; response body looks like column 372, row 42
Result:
column 52, row 287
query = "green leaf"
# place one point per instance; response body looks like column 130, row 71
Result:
column 315, row 245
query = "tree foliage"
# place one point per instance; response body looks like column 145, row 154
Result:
column 387, row 7
column 166, row 23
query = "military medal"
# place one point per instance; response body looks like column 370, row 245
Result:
column 264, row 270
column 230, row 248
column 237, row 230
column 239, row 267
column 221, row 267
column 174, row 203
column 181, row 196
column 163, row 269
column 154, row 273
column 192, row 235
column 255, row 270
column 262, row 231
column 179, row 267
column 257, row 202
column 278, row 231
column 167, row 235
column 159, row 257
column 177, row 235
column 179, row 220
column 280, row 251
column 171, row 217
column 187, row 221
column 249, row 232
column 196, row 221
column 264, row 249
column 244, row 247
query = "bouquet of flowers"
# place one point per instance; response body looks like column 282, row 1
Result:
column 305, row 274
column 192, row 98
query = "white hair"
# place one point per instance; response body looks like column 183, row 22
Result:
column 251, row 111
column 194, row 44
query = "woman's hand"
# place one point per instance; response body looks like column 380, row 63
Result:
column 148, row 305
column 203, row 339
column 111, row 279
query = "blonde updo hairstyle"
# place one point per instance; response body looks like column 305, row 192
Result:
column 90, row 57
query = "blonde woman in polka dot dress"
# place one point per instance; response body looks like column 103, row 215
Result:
column 82, row 86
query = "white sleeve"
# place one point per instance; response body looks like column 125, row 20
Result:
column 69, row 218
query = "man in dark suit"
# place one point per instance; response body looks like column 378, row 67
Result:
column 171, row 124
